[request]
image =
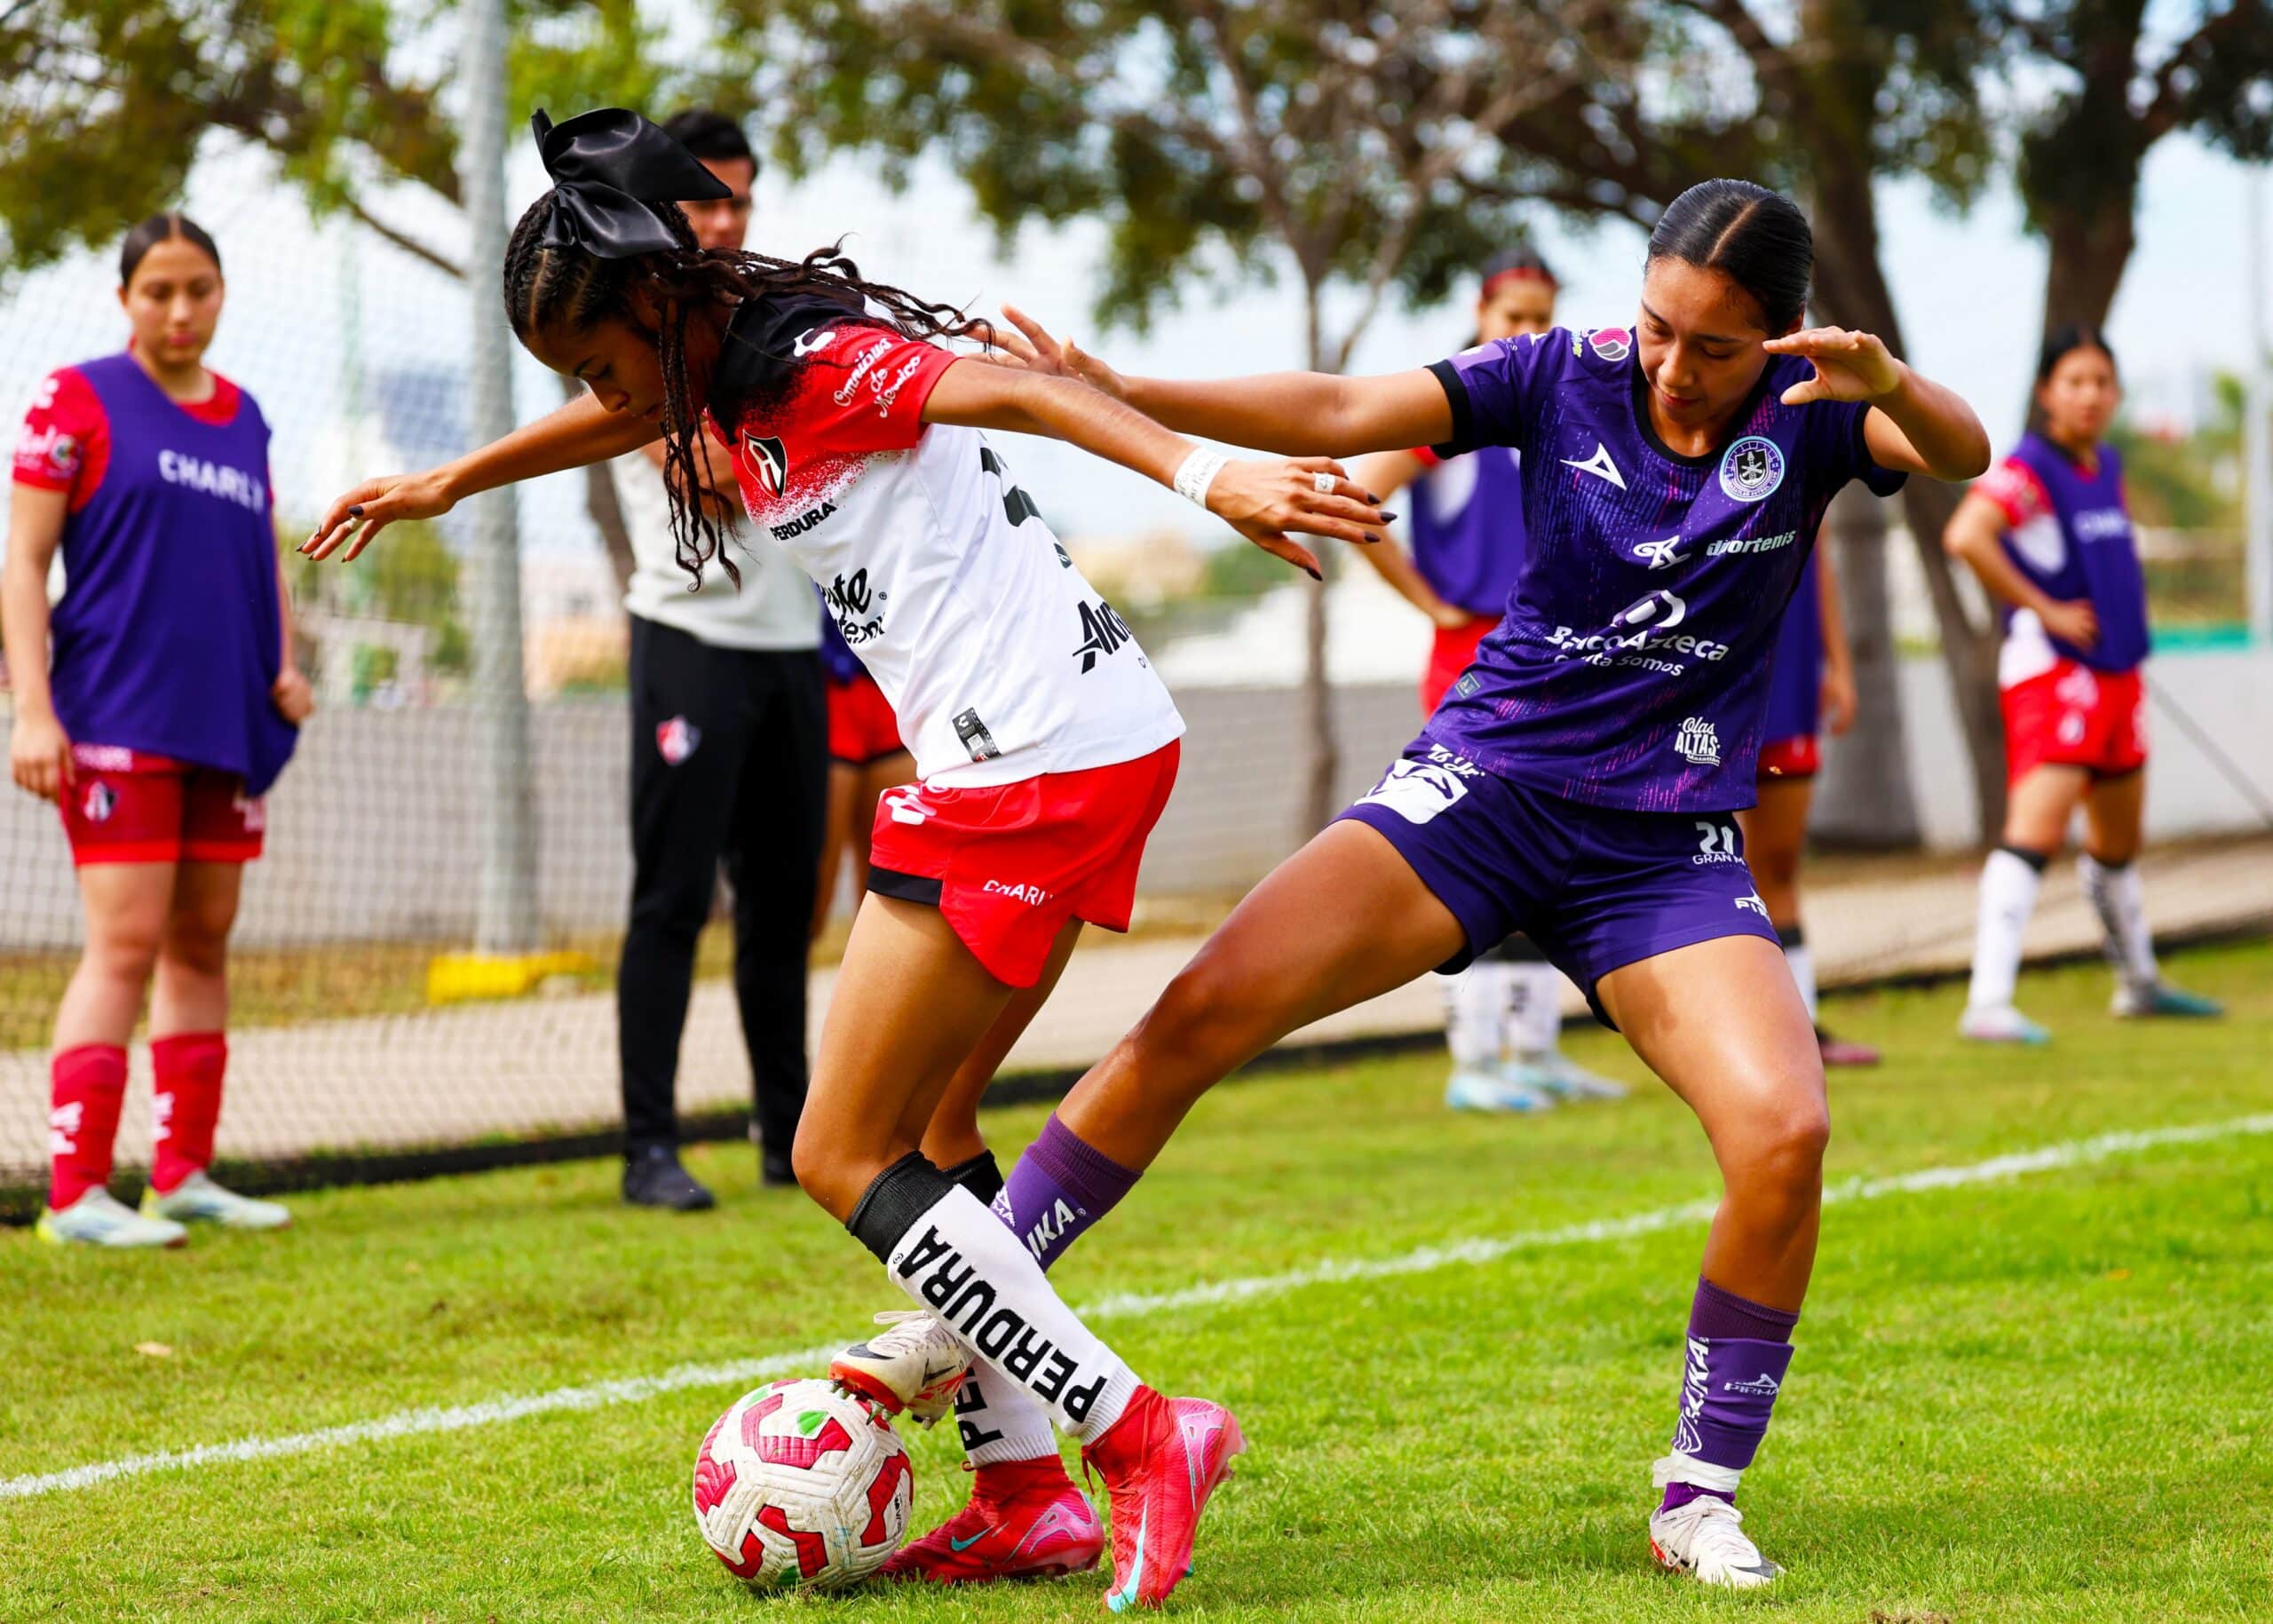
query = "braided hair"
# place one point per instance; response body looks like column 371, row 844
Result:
column 568, row 289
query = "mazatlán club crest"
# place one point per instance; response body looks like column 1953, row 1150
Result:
column 768, row 459
column 1613, row 343
column 1752, row 469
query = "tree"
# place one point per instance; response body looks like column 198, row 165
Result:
column 1355, row 151
column 105, row 105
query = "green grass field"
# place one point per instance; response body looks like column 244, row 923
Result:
column 2048, row 1396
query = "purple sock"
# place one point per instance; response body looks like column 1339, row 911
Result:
column 1058, row 1188
column 1737, row 1353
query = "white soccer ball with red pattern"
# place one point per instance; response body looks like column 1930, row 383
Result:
column 802, row 1484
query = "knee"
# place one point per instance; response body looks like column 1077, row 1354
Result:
column 1783, row 1162
column 836, row 1177
column 1203, row 1017
column 198, row 940
column 125, row 950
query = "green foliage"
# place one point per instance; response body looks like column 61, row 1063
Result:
column 105, row 104
column 2193, row 482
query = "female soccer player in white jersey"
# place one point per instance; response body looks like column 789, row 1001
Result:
column 1503, row 1014
column 2048, row 533
column 1580, row 781
column 1045, row 744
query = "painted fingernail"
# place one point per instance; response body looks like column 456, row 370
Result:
column 1370, row 537
column 1387, row 519
column 356, row 512
column 1372, row 501
column 1312, row 574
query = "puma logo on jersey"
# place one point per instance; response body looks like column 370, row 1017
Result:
column 1599, row 466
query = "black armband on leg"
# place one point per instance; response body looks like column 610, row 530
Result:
column 889, row 1208
column 1518, row 949
column 982, row 1176
column 1791, row 936
column 2038, row 860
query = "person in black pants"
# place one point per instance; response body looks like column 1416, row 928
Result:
column 729, row 764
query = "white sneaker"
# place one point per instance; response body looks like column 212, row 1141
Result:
column 1565, row 1079
column 1702, row 1538
column 2000, row 1024
column 198, row 1199
column 100, row 1219
column 1510, row 1088
column 914, row 1365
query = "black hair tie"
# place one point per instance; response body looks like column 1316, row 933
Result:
column 609, row 167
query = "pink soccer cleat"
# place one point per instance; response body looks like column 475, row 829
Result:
column 1159, row 1461
column 1025, row 1520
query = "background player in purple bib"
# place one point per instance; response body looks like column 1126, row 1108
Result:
column 170, row 705
column 2048, row 533
column 1503, row 1015
column 1810, row 687
column 1580, row 782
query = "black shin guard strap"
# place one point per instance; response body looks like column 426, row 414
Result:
column 982, row 1176
column 888, row 1209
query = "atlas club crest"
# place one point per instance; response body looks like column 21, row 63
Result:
column 769, row 461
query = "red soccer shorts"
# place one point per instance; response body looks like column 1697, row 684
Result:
column 127, row 806
column 2074, row 716
column 1009, row 865
column 1452, row 654
column 861, row 726
column 1800, row 757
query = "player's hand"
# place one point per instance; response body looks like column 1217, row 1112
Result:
column 1837, row 700
column 358, row 517
column 1849, row 366
column 2074, row 623
column 1450, row 617
column 39, row 755
column 293, row 695
column 1263, row 501
column 1027, row 345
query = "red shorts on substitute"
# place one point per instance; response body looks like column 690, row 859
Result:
column 2074, row 716
column 1453, row 653
column 861, row 726
column 1800, row 757
column 126, row 806
column 1010, row 864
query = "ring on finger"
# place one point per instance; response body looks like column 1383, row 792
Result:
column 1322, row 483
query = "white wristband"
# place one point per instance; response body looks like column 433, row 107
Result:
column 1196, row 473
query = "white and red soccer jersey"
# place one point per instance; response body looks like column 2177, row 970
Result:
column 1000, row 662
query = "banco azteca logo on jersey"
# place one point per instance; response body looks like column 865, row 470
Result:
column 1643, row 634
column 769, row 462
column 1103, row 632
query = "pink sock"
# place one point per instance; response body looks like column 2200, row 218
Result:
column 86, row 1086
column 186, row 1105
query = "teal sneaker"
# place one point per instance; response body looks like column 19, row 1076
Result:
column 2001, row 1025
column 1565, row 1078
column 2134, row 1001
column 1510, row 1088
column 198, row 1199
column 100, row 1219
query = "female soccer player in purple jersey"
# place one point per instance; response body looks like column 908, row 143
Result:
column 1810, row 687
column 1045, row 743
column 2049, row 534
column 154, row 706
column 1580, row 781
column 1503, row 1014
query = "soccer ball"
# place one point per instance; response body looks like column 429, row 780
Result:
column 802, row 1484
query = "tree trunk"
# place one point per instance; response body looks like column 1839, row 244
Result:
column 1969, row 651
column 1866, row 799
column 2091, row 246
column 606, row 512
column 1321, row 757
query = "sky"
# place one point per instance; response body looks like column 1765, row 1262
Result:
column 1969, row 288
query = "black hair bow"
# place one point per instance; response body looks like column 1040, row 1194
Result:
column 609, row 166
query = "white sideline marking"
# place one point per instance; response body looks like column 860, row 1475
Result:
column 632, row 1390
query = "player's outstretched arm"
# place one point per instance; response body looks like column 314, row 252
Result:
column 1291, row 413
column 581, row 431
column 1916, row 424
column 1263, row 501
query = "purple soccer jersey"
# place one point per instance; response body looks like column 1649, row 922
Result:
column 1795, row 674
column 2068, row 529
column 1468, row 528
column 1631, row 670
